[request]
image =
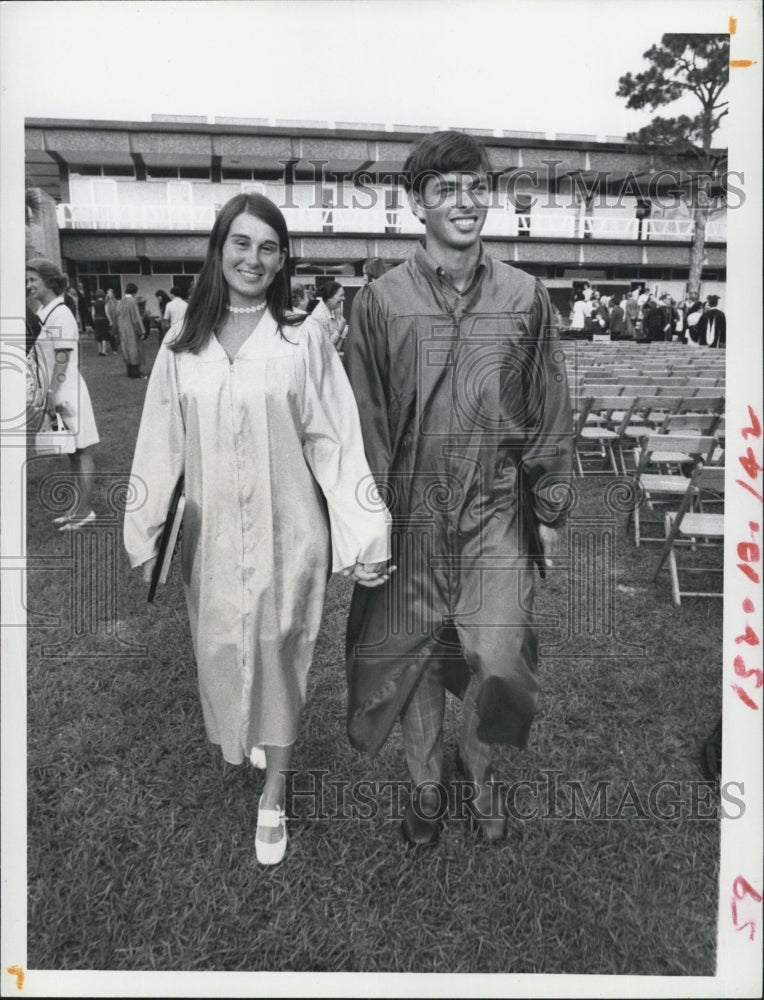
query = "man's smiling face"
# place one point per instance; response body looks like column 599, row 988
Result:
column 453, row 208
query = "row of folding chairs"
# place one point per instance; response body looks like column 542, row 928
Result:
column 608, row 426
column 647, row 378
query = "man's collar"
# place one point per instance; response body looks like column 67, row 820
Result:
column 436, row 272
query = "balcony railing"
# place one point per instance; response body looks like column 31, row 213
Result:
column 379, row 221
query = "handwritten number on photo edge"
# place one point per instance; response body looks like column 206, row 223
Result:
column 741, row 888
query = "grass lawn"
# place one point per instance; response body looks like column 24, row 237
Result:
column 141, row 839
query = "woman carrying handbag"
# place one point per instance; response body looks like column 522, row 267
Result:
column 66, row 397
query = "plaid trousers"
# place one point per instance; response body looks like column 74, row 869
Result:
column 422, row 731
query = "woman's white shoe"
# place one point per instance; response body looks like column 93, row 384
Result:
column 270, row 854
column 73, row 525
column 257, row 758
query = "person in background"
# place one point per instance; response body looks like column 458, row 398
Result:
column 110, row 305
column 312, row 298
column 712, row 325
column 631, row 316
column 145, row 315
column 600, row 316
column 250, row 405
column 373, row 268
column 36, row 377
column 56, row 356
column 131, row 332
column 101, row 324
column 679, row 320
column 617, row 317
column 71, row 303
column 162, row 299
column 643, row 316
column 83, row 307
column 578, row 315
column 175, row 309
column 693, row 313
column 652, row 319
column 667, row 317
column 328, row 313
column 299, row 300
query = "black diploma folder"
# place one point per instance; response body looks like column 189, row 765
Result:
column 169, row 539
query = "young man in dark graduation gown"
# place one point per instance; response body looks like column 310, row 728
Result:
column 460, row 382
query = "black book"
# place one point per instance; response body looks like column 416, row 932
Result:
column 169, row 542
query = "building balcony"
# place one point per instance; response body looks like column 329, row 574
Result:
column 380, row 221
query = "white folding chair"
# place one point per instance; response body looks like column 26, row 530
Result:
column 665, row 465
column 697, row 530
column 596, row 438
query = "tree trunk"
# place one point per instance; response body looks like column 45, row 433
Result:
column 697, row 251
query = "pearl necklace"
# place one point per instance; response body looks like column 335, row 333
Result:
column 246, row 309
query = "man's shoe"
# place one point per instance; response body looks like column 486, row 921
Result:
column 487, row 817
column 423, row 817
column 486, row 809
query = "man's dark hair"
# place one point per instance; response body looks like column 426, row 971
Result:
column 443, row 153
column 176, row 291
column 131, row 289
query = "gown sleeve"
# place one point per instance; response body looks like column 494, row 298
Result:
column 159, row 459
column 333, row 448
column 548, row 453
column 365, row 363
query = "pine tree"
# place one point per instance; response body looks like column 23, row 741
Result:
column 681, row 65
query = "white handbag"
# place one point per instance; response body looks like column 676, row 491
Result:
column 55, row 438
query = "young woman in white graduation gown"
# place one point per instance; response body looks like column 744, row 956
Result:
column 252, row 406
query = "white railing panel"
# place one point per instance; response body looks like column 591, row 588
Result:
column 668, row 229
column 717, row 230
column 551, row 224
column 378, row 220
column 603, row 227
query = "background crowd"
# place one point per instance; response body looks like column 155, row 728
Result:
column 120, row 326
column 644, row 317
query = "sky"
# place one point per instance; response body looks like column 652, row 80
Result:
column 538, row 65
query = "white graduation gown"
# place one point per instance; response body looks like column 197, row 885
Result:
column 269, row 444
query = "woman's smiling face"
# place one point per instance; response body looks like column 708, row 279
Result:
column 251, row 258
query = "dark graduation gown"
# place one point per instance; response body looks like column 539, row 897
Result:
column 711, row 330
column 467, row 423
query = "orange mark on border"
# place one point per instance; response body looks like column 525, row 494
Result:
column 742, row 63
column 733, row 25
column 18, row 972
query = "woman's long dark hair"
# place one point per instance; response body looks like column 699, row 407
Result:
column 209, row 300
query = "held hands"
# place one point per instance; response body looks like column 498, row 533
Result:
column 370, row 574
column 549, row 542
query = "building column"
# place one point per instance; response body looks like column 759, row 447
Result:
column 42, row 239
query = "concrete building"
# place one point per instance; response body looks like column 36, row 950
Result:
column 135, row 201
